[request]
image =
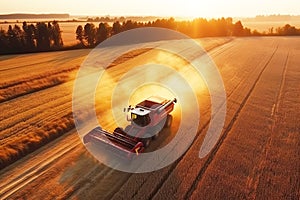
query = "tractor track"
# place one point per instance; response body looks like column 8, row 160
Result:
column 253, row 184
column 227, row 130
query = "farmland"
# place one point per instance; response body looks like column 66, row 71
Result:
column 256, row 157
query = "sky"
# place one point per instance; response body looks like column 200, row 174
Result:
column 176, row 8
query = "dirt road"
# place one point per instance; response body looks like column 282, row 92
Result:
column 257, row 155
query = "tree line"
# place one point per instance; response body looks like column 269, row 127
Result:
column 31, row 38
column 47, row 36
column 90, row 35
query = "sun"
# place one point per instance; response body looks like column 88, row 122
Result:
column 190, row 9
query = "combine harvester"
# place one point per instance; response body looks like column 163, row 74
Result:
column 147, row 119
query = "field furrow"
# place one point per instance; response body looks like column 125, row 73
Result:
column 238, row 167
column 282, row 162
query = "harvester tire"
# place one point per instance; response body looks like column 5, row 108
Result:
column 154, row 137
column 169, row 121
column 146, row 142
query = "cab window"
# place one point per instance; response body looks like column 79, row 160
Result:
column 140, row 120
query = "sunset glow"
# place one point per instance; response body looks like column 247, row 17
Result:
column 180, row 8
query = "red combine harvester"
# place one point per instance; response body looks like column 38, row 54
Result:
column 147, row 119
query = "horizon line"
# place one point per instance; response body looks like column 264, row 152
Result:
column 161, row 16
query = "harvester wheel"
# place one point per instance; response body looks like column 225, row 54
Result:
column 146, row 142
column 154, row 137
column 169, row 121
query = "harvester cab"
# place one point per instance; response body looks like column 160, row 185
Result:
column 150, row 111
column 139, row 117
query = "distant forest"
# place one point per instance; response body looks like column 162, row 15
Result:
column 47, row 36
column 270, row 18
column 33, row 16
